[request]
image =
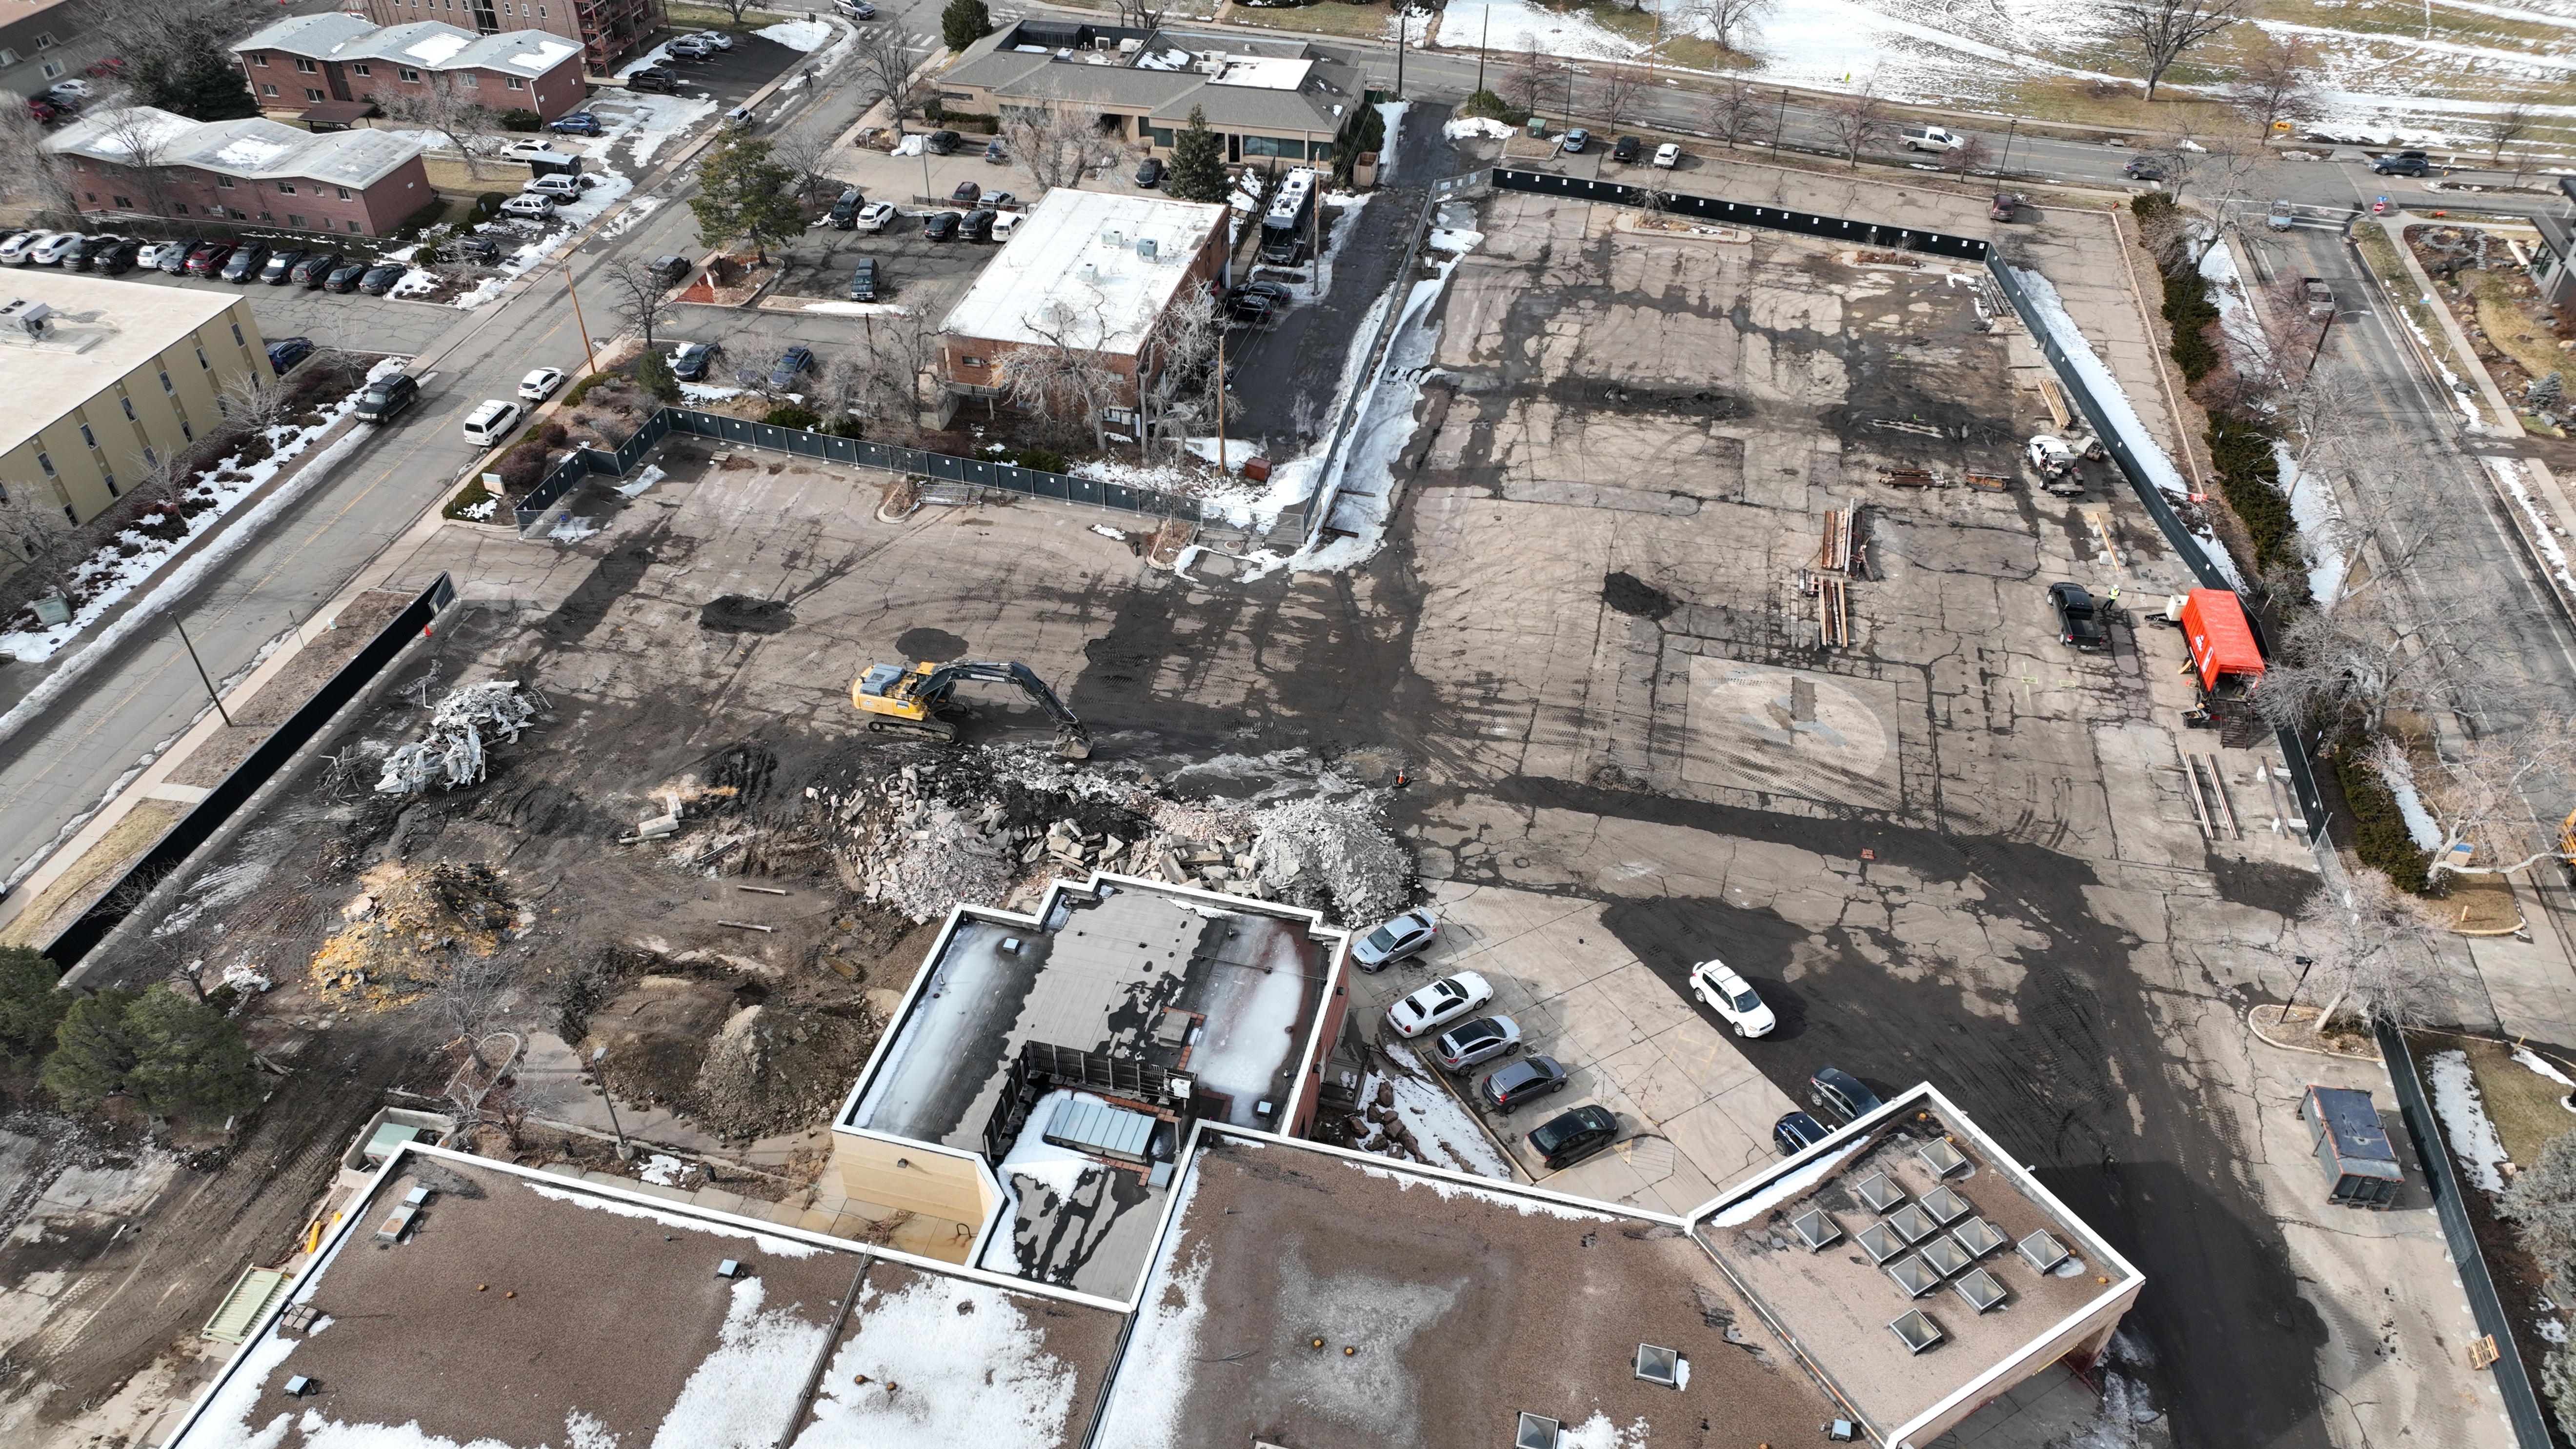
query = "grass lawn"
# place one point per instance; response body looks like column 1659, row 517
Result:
column 2523, row 1104
column 1328, row 17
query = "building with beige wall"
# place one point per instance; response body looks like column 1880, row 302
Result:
column 111, row 377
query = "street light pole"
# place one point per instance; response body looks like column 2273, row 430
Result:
column 599, row 1068
column 1483, row 36
column 1779, row 120
column 2009, row 133
column 1399, row 48
column 588, row 355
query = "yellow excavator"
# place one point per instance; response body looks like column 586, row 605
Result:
column 909, row 699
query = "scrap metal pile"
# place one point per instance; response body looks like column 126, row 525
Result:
column 453, row 752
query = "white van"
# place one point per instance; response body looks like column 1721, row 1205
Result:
column 490, row 422
column 1930, row 138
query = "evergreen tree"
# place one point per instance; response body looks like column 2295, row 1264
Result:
column 199, row 80
column 32, row 1003
column 1198, row 163
column 654, row 372
column 190, row 1060
column 964, row 22
column 742, row 193
column 93, row 1052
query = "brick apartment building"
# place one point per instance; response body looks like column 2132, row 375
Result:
column 608, row 31
column 329, row 69
column 354, row 183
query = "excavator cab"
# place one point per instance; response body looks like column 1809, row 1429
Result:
column 909, row 699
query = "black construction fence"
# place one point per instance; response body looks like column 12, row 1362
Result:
column 584, row 463
column 1737, row 213
column 262, row 764
column 2442, row 1181
column 2185, row 544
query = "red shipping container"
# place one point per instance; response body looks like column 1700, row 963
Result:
column 2213, row 621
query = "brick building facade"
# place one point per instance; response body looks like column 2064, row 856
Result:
column 316, row 67
column 351, row 183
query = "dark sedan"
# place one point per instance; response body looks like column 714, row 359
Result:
column 1564, row 1141
column 691, row 362
column 314, row 268
column 791, row 362
column 1509, row 1088
column 941, row 226
column 380, row 280
column 346, row 278
column 244, row 263
column 1796, row 1133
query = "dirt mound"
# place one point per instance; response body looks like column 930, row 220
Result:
column 1334, row 853
column 772, row 1069
column 408, row 928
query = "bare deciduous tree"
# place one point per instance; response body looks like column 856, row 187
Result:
column 1181, row 345
column 1613, row 94
column 2273, row 84
column 36, row 531
column 1735, row 113
column 881, row 70
column 254, row 400
column 2479, row 795
column 468, row 126
column 1969, row 157
column 1534, row 78
column 1142, row 14
column 2505, row 127
column 642, row 296
column 2374, row 949
column 1731, row 23
column 2160, row 31
column 804, row 151
column 144, row 137
column 1065, row 376
column 1056, row 147
column 2541, row 1204
column 1856, row 123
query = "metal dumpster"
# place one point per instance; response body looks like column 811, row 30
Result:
column 2360, row 1164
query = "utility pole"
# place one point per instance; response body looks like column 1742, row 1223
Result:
column 587, row 354
column 2006, row 162
column 1399, row 48
column 201, row 673
column 1779, row 120
column 1220, row 397
column 1483, row 36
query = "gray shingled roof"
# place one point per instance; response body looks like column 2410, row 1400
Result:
column 255, row 149
column 423, row 44
column 1317, row 107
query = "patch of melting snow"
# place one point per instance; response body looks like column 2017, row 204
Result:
column 2531, row 1059
column 806, row 35
column 775, row 1247
column 2465, row 1123
column 1445, row 1131
column 663, row 1170
column 972, row 1368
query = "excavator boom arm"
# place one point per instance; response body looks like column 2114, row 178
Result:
column 948, row 676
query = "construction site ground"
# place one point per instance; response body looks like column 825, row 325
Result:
column 1948, row 850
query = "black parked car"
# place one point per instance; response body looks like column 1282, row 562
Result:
column 280, row 266
column 845, row 212
column 1796, row 1133
column 174, row 257
column 941, row 226
column 942, row 143
column 1841, row 1094
column 1629, row 148
column 1564, row 1141
column 1507, row 1088
column 346, row 278
column 85, row 253
column 1250, row 307
column 863, row 280
column 288, row 351
column 117, row 260
column 480, row 249
column 794, row 360
column 2078, row 623
column 977, row 227
column 2402, row 163
column 1149, row 172
column 313, row 269
column 691, row 362
column 244, row 264
column 380, row 279
column 2142, row 169
column 673, row 269
column 387, row 396
column 654, row 78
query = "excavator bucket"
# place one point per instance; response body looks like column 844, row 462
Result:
column 1072, row 747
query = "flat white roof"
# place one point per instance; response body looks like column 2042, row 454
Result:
column 124, row 325
column 1264, row 72
column 1072, row 270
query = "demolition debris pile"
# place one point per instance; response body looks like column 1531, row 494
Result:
column 454, row 748
column 991, row 824
column 408, row 929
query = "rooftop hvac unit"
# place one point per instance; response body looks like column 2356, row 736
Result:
column 1148, row 248
column 1112, row 237
column 28, row 317
column 1130, row 46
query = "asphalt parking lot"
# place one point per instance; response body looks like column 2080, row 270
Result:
column 1695, row 1112
column 352, row 320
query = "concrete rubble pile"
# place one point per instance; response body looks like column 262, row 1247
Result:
column 454, row 747
column 990, row 827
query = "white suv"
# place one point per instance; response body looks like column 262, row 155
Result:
column 490, row 422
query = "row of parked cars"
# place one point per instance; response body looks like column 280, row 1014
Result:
column 319, row 269
column 1473, row 1041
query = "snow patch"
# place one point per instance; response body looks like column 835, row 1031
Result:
column 1795, row 1185
column 1449, row 1190
column 805, row 35
column 2531, row 1059
column 753, row 1347
column 663, row 1170
column 2399, row 776
column 973, row 1366
column 773, row 1246
column 2464, row 1117
column 1485, row 126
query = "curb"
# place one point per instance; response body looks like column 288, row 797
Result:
column 2270, row 1041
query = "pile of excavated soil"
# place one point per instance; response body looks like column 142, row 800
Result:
column 717, row 1049
column 408, row 928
